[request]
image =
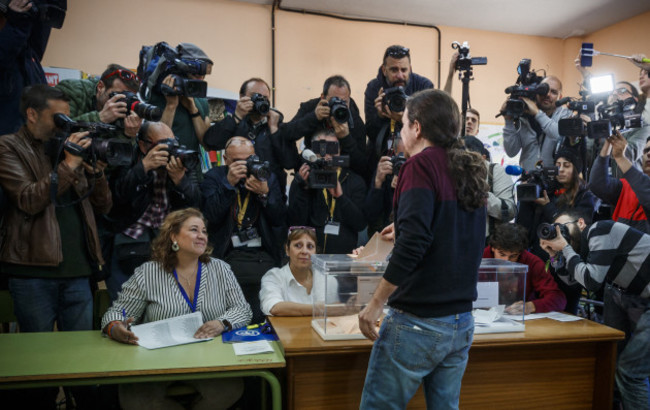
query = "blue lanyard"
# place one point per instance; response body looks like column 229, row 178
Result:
column 196, row 289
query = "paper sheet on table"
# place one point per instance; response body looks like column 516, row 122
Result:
column 559, row 316
column 260, row 346
column 178, row 330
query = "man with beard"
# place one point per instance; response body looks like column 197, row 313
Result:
column 537, row 135
column 381, row 123
column 617, row 256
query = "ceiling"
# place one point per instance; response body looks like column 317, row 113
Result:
column 548, row 18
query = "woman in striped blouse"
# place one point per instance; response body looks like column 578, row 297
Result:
column 181, row 278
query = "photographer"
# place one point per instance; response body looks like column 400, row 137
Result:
column 336, row 213
column 90, row 99
column 327, row 112
column 246, row 215
column 615, row 256
column 261, row 124
column 156, row 184
column 49, row 252
column 381, row 122
column 630, row 195
column 537, row 135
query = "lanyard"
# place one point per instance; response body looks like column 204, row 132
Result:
column 196, row 289
column 242, row 208
column 332, row 205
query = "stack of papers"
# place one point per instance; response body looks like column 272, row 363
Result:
column 175, row 331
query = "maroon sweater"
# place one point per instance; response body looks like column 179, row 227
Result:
column 541, row 288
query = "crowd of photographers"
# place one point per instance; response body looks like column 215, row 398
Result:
column 78, row 207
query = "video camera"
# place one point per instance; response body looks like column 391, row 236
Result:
column 143, row 110
column 258, row 168
column 395, row 98
column 547, row 231
column 190, row 159
column 48, row 12
column 339, row 110
column 322, row 173
column 618, row 115
column 465, row 61
column 528, row 85
column 534, row 182
column 113, row 151
column 574, row 126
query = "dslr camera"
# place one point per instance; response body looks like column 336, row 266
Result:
column 190, row 159
column 261, row 104
column 397, row 161
column 535, row 182
column 143, row 110
column 528, row 85
column 259, row 169
column 339, row 110
column 395, row 99
column 547, row 231
column 113, row 151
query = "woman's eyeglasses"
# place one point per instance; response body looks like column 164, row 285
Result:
column 125, row 75
column 307, row 228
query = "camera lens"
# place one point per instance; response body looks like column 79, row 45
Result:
column 546, row 231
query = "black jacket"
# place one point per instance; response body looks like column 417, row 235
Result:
column 133, row 189
column 305, row 124
column 220, row 208
column 307, row 207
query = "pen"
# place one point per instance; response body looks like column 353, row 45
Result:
column 255, row 326
column 124, row 322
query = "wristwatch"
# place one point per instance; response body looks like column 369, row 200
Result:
column 226, row 325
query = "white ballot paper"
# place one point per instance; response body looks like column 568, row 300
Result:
column 178, row 330
column 259, row 346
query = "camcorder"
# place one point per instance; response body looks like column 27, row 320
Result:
column 535, row 182
column 397, row 161
column 48, row 12
column 190, row 159
column 574, row 126
column 465, row 61
column 133, row 103
column 395, row 99
column 339, row 110
column 547, row 231
column 161, row 60
column 113, row 151
column 528, row 85
column 258, row 168
column 615, row 116
column 322, row 173
column 261, row 104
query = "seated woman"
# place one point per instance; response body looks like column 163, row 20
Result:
column 508, row 242
column 287, row 291
column 181, row 278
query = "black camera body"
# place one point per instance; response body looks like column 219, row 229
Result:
column 261, row 104
column 620, row 114
column 397, row 161
column 190, row 158
column 528, row 85
column 113, row 151
column 143, row 110
column 575, row 126
column 547, row 231
column 339, row 110
column 185, row 87
column 465, row 61
column 395, row 99
column 258, row 168
column 247, row 234
column 322, row 173
column 535, row 182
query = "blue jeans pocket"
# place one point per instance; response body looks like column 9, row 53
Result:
column 416, row 349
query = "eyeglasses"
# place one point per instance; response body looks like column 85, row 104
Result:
column 621, row 91
column 306, row 228
column 125, row 75
column 397, row 52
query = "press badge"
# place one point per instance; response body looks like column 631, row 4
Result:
column 332, row 228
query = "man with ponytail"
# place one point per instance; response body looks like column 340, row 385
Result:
column 430, row 281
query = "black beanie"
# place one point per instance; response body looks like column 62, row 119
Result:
column 570, row 154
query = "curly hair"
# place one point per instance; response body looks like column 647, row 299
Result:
column 440, row 121
column 509, row 237
column 161, row 247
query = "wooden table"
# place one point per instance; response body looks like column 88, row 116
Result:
column 552, row 364
column 87, row 358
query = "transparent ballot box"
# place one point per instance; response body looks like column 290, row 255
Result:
column 342, row 286
column 501, row 296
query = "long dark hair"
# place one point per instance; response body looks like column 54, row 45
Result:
column 568, row 198
column 440, row 122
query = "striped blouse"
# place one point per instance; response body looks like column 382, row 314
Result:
column 152, row 294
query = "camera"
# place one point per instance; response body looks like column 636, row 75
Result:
column 574, row 126
column 547, row 231
column 257, row 168
column 465, row 61
column 397, row 161
column 395, row 98
column 247, row 234
column 620, row 114
column 339, row 110
column 535, row 182
column 528, row 85
column 114, row 151
column 322, row 173
column 261, row 104
column 190, row 159
column 143, row 110
column 185, row 87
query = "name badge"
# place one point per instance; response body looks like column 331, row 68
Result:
column 332, row 228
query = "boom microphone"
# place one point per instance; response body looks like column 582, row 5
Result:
column 309, row 155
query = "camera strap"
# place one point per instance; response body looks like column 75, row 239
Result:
column 326, row 194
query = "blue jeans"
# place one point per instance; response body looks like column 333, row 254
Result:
column 38, row 303
column 413, row 350
column 631, row 314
